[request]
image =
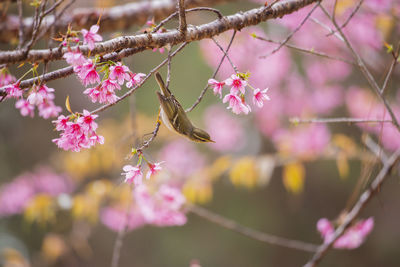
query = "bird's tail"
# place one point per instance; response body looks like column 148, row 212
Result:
column 162, row 86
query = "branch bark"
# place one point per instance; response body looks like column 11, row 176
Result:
column 112, row 19
column 173, row 37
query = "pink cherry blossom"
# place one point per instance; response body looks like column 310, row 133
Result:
column 352, row 238
column 13, row 90
column 135, row 78
column 116, row 219
column 110, row 85
column 87, row 121
column 91, row 36
column 161, row 208
column 236, row 83
column 120, row 73
column 25, row 107
column 48, row 109
column 259, row 97
column 171, row 197
column 306, row 141
column 17, row 194
column 153, row 169
column 61, row 122
column 217, row 86
column 87, row 73
column 75, row 58
column 77, row 133
column 35, row 98
column 132, row 174
column 236, row 104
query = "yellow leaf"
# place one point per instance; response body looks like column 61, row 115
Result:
column 244, row 172
column 40, row 209
column 67, row 104
column 198, row 191
column 293, row 177
column 342, row 165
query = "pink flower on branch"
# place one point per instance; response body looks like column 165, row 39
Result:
column 236, row 83
column 351, row 239
column 25, row 107
column 154, row 169
column 236, row 104
column 119, row 73
column 135, row 78
column 87, row 73
column 259, row 97
column 91, row 36
column 217, row 86
column 77, row 133
column 75, row 58
column 161, row 208
column 132, row 174
column 48, row 109
column 13, row 90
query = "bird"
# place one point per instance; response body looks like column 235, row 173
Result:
column 175, row 117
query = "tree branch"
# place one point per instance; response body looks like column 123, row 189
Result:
column 337, row 120
column 251, row 233
column 114, row 18
column 358, row 207
column 173, row 37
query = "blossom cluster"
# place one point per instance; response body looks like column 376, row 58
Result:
column 134, row 174
column 16, row 195
column 39, row 96
column 351, row 239
column 116, row 75
column 77, row 131
column 161, row 208
column 236, row 96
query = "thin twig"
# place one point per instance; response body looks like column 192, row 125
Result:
column 53, row 7
column 251, row 233
column 182, row 17
column 349, row 18
column 38, row 22
column 357, row 208
column 375, row 148
column 367, row 74
column 293, row 32
column 391, row 69
column 172, row 37
column 153, row 136
column 226, row 54
column 173, row 15
column 337, row 120
column 198, row 100
column 308, row 51
column 327, row 28
column 131, row 91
